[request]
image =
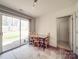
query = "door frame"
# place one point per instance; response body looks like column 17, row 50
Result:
column 71, row 29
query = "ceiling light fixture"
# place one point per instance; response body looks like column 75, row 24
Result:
column 34, row 3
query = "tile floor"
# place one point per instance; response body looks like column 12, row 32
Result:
column 30, row 52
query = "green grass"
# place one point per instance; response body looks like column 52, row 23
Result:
column 10, row 35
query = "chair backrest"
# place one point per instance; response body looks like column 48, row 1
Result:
column 35, row 35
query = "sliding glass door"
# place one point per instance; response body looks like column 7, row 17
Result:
column 24, row 31
column 15, row 32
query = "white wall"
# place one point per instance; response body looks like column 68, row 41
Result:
column 47, row 23
column 32, row 25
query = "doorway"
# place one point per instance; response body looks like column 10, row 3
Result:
column 63, row 32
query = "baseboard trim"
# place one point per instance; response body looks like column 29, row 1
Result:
column 57, row 48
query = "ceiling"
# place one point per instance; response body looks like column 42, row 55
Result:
column 42, row 7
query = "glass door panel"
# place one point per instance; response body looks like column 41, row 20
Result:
column 11, row 32
column 24, row 31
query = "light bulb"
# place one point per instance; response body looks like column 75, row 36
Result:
column 34, row 4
